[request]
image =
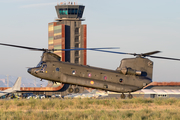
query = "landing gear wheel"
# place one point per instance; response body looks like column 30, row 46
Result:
column 70, row 90
column 130, row 96
column 123, row 96
column 76, row 90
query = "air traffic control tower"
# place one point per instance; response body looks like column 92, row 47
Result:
column 68, row 32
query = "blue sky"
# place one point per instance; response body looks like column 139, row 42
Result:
column 136, row 26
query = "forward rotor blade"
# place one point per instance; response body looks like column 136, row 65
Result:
column 164, row 58
column 30, row 48
column 84, row 49
column 150, row 53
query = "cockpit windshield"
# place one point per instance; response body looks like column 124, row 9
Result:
column 40, row 63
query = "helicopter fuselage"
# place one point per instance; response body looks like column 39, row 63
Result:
column 109, row 80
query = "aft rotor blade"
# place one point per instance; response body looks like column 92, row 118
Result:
column 24, row 47
column 164, row 58
column 116, row 52
column 84, row 49
column 145, row 54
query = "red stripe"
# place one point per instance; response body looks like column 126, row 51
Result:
column 63, row 42
column 85, row 42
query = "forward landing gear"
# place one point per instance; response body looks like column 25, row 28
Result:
column 70, row 90
column 123, row 96
column 76, row 90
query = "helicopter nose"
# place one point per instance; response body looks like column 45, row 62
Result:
column 29, row 70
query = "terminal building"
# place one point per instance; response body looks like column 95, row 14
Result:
column 68, row 32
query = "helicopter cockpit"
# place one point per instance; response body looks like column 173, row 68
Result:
column 41, row 67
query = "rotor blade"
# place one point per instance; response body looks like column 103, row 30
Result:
column 100, row 48
column 164, row 58
column 150, row 53
column 84, row 49
column 140, row 54
column 30, row 48
column 115, row 52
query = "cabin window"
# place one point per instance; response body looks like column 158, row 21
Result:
column 57, row 69
column 120, row 80
column 73, row 72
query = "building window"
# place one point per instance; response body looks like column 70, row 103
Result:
column 75, row 24
column 77, row 45
column 77, row 31
column 76, row 53
column 76, row 38
column 76, row 60
column 63, row 11
column 72, row 11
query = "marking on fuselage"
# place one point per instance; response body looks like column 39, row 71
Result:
column 105, row 77
column 73, row 72
column 89, row 75
column 92, row 82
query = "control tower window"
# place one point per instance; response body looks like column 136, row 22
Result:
column 63, row 11
column 72, row 11
column 75, row 11
column 80, row 11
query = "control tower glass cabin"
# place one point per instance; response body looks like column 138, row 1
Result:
column 67, row 32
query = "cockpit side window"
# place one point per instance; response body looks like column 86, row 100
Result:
column 43, row 67
column 40, row 63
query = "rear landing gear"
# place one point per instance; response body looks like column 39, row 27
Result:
column 123, row 96
column 130, row 96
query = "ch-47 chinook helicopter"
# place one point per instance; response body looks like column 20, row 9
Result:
column 132, row 74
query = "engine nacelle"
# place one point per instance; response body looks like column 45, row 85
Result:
column 129, row 71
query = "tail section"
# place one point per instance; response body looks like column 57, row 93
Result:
column 137, row 66
column 17, row 85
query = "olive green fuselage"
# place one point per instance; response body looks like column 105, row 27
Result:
column 109, row 80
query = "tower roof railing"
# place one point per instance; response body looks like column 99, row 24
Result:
column 68, row 3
